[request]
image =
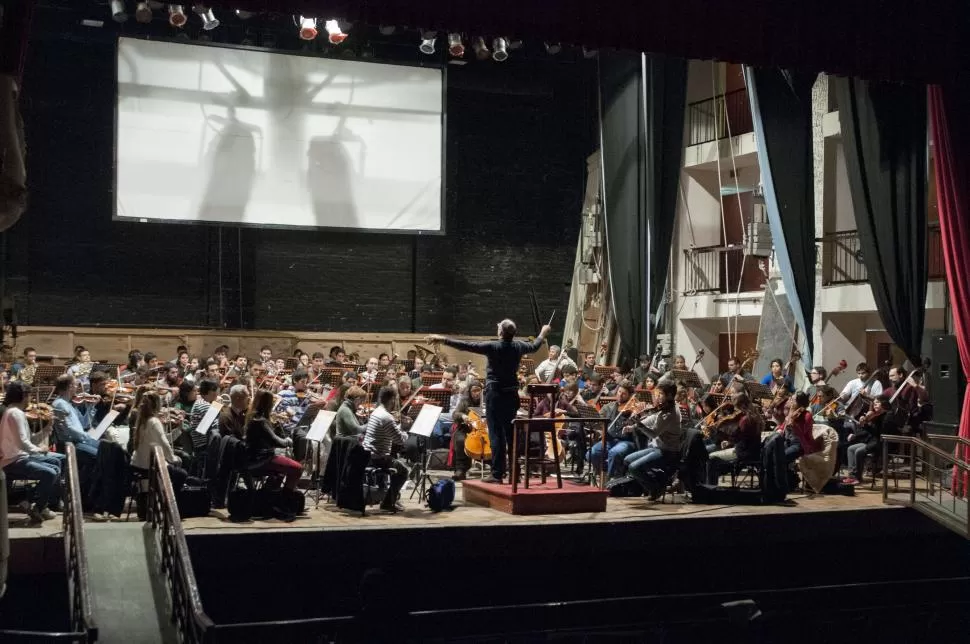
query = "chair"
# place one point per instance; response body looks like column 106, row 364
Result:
column 871, row 465
column 747, row 471
column 136, row 477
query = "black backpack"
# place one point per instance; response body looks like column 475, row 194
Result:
column 624, row 486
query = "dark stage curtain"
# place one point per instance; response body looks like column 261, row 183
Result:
column 949, row 107
column 781, row 104
column 884, row 135
column 642, row 130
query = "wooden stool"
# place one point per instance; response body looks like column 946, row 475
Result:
column 527, row 429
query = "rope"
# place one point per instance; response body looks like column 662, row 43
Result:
column 720, row 203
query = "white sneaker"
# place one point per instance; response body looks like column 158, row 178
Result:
column 47, row 514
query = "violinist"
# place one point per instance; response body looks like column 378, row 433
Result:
column 348, row 378
column 212, row 369
column 208, row 391
column 262, row 443
column 336, row 357
column 68, row 424
column 380, row 436
column 666, row 434
column 81, row 369
column 232, row 418
column 470, row 401
column 294, row 400
column 266, row 358
column 798, row 428
column 21, row 459
column 221, row 356
column 865, row 436
column 303, row 359
column 347, row 422
column 620, row 437
column 135, row 361
column 369, row 374
column 568, row 402
column 96, row 412
column 183, row 364
column 743, row 443
column 383, row 361
column 819, row 393
column 404, row 390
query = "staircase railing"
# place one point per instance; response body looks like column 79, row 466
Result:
column 934, row 466
column 82, row 602
column 193, row 625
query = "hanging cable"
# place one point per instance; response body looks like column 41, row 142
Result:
column 720, row 203
column 744, row 233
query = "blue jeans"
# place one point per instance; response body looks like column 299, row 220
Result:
column 639, row 462
column 46, row 471
column 856, row 457
column 615, row 454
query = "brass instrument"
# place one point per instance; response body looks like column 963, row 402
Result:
column 434, row 357
column 26, row 374
column 83, row 369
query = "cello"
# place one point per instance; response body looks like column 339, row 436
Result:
column 477, row 445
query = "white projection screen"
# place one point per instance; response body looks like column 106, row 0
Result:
column 212, row 134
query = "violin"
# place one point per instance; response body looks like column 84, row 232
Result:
column 871, row 415
column 80, row 399
column 40, row 411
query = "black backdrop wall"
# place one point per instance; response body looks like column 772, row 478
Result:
column 518, row 137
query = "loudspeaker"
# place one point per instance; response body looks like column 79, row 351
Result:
column 947, row 381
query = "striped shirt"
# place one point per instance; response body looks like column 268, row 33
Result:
column 199, row 410
column 382, row 432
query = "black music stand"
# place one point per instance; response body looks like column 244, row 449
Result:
column 604, row 369
column 757, row 391
column 46, row 374
column 686, row 378
column 431, row 378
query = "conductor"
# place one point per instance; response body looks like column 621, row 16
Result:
column 501, row 384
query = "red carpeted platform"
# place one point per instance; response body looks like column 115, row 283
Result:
column 537, row 499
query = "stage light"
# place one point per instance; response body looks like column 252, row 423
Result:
column 308, row 28
column 500, row 50
column 337, row 34
column 244, row 15
column 118, row 13
column 209, row 20
column 553, row 48
column 455, row 45
column 481, row 49
column 143, row 13
column 428, row 39
column 176, row 15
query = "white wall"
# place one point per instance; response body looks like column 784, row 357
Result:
column 843, row 338
column 844, row 215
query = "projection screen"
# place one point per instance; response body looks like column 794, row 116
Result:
column 211, row 134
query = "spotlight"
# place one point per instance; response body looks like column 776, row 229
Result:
column 481, row 49
column 118, row 13
column 209, row 20
column 176, row 15
column 553, row 48
column 428, row 39
column 500, row 50
column 308, row 28
column 387, row 30
column 143, row 13
column 455, row 45
column 244, row 15
column 337, row 34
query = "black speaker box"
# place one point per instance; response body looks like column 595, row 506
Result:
column 947, row 381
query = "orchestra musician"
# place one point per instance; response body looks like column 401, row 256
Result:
column 777, row 379
column 182, row 362
column 734, row 377
column 470, row 401
column 135, row 361
column 369, row 374
column 149, row 432
column 501, row 384
column 68, row 422
column 798, row 428
column 232, row 417
column 594, row 388
column 589, row 366
column 546, row 368
column 22, row 459
column 819, row 393
column 664, row 429
column 642, row 370
column 98, row 383
column 863, row 373
column 743, row 443
column 380, row 436
column 29, row 367
column 865, row 436
column 910, row 402
column 567, row 402
column 81, row 368
column 620, row 440
column 262, row 443
column 347, row 422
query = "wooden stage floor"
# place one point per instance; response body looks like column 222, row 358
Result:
column 416, row 514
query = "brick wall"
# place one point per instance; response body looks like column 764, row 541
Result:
column 514, row 181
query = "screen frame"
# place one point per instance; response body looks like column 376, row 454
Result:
column 443, row 68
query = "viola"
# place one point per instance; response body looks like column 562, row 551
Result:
column 40, row 411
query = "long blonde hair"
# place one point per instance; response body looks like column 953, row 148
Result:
column 148, row 408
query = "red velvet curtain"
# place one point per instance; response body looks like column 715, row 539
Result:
column 949, row 107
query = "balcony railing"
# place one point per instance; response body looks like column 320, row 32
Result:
column 843, row 261
column 719, row 117
column 719, row 269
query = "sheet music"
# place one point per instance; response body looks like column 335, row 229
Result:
column 210, row 416
column 321, row 425
column 103, row 425
column 426, row 420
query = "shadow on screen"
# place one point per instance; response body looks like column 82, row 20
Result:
column 231, row 169
column 331, row 178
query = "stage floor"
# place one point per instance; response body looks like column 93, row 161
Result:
column 328, row 517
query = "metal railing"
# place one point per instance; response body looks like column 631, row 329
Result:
column 843, row 261
column 82, row 603
column 83, row 627
column 714, row 269
column 172, row 555
column 934, row 466
column 709, row 120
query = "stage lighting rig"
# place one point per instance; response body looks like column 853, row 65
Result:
column 336, row 33
column 176, row 15
column 428, row 39
column 456, row 47
column 118, row 13
column 206, row 15
column 500, row 52
column 308, row 28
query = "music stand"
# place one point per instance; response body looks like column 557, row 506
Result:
column 528, row 364
column 604, row 369
column 423, row 427
column 431, row 378
column 292, row 363
column 47, row 374
column 686, row 378
column 757, row 391
column 440, row 397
